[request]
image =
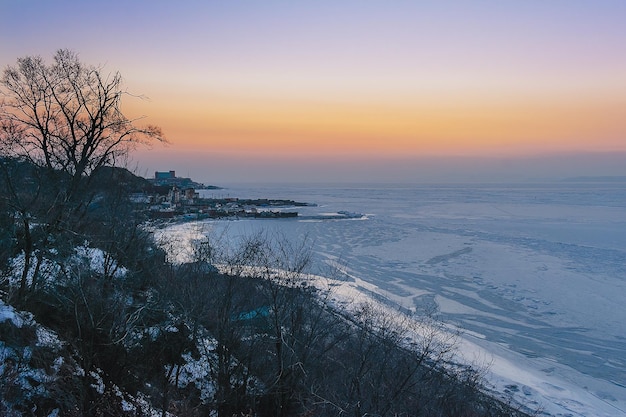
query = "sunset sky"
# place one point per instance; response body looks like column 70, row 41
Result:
column 356, row 89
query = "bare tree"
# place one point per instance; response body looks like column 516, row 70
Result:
column 63, row 120
column 66, row 116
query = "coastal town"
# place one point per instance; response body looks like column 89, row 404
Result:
column 171, row 197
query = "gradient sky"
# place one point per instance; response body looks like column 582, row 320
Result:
column 357, row 89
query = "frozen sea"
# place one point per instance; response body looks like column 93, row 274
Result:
column 533, row 274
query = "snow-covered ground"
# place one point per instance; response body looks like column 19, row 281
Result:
column 534, row 275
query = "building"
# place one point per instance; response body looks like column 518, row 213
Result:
column 164, row 175
column 169, row 179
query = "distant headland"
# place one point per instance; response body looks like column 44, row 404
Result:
column 597, row 179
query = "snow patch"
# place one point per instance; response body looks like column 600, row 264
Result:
column 99, row 261
column 8, row 313
column 99, row 382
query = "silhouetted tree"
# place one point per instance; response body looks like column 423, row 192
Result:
column 63, row 120
column 66, row 116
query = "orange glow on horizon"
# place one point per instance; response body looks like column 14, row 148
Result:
column 443, row 127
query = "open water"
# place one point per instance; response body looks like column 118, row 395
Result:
column 533, row 274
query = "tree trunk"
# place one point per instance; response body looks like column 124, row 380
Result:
column 28, row 253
